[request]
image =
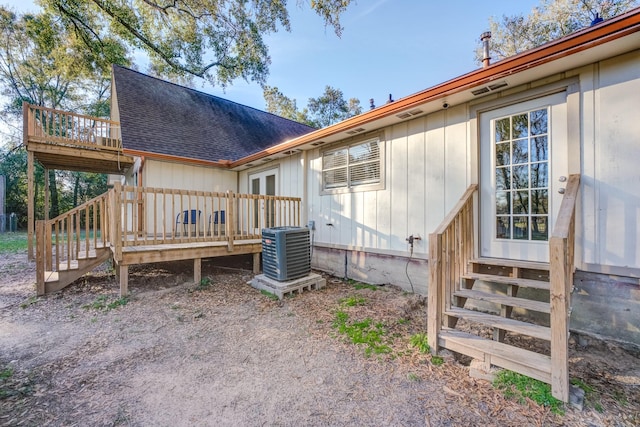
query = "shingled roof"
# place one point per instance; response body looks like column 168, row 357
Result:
column 164, row 118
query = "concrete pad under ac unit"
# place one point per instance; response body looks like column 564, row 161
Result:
column 312, row 281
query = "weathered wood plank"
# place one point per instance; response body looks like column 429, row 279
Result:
column 527, row 362
column 507, row 300
column 494, row 321
column 524, row 283
column 512, row 263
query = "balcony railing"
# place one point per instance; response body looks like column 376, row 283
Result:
column 57, row 127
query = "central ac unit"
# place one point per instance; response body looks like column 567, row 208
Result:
column 286, row 253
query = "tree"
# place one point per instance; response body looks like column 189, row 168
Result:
column 551, row 20
column 44, row 65
column 327, row 109
column 331, row 107
column 283, row 106
column 218, row 40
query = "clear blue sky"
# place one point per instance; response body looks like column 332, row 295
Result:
column 388, row 46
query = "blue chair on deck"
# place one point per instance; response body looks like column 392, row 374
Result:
column 188, row 217
column 216, row 219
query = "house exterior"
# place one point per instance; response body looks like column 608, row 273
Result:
column 518, row 129
column 511, row 189
column 371, row 184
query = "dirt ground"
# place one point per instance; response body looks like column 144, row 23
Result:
column 224, row 354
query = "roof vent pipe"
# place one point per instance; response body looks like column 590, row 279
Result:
column 486, row 59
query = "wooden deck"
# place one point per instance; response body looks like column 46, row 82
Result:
column 139, row 225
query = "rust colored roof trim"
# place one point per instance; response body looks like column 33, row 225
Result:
column 587, row 38
column 157, row 156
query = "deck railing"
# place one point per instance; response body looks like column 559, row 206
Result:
column 128, row 216
column 561, row 269
column 74, row 235
column 60, row 127
column 160, row 216
column 451, row 247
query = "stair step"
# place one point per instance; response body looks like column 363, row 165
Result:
column 518, row 281
column 515, row 359
column 64, row 266
column 500, row 322
column 527, row 304
column 512, row 263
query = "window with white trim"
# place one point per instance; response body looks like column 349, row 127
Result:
column 355, row 165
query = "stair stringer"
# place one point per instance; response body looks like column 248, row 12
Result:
column 67, row 277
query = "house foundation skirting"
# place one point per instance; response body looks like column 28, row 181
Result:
column 410, row 274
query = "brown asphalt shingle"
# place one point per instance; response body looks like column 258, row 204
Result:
column 161, row 117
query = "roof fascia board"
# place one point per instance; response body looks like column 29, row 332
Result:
column 168, row 157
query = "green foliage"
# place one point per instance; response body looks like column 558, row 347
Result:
column 102, row 303
column 6, row 373
column 420, row 341
column 29, row 301
column 551, row 20
column 205, row 283
column 269, row 295
column 327, row 109
column 437, row 360
column 360, row 285
column 413, row 377
column 331, row 107
column 362, row 332
column 518, row 386
column 352, row 301
column 218, row 40
column 13, row 242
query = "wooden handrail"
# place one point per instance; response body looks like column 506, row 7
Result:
column 159, row 216
column 561, row 269
column 451, row 246
column 60, row 241
column 61, row 127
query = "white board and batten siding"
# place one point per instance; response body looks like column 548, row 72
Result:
column 290, row 172
column 172, row 175
column 610, row 185
column 425, row 173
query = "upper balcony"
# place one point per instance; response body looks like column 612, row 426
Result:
column 69, row 141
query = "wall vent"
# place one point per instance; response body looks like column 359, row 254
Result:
column 408, row 114
column 286, row 253
column 354, row 131
column 489, row 88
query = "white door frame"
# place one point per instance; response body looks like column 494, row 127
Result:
column 264, row 215
column 489, row 244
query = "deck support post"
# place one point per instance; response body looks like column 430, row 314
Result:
column 124, row 280
column 30, row 205
column 256, row 263
column 197, row 270
column 40, row 253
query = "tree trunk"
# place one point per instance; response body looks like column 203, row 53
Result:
column 53, row 188
column 76, row 189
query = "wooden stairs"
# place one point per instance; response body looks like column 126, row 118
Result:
column 500, row 282
column 72, row 244
column 69, row 272
column 494, row 309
